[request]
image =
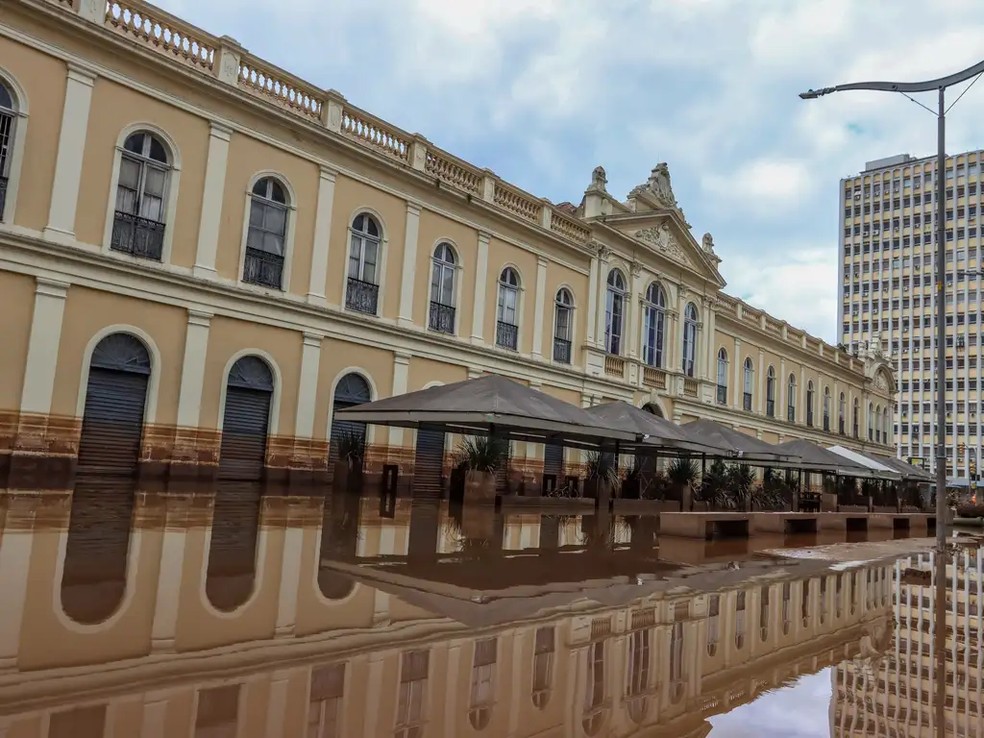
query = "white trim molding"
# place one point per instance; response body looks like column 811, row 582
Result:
column 16, row 151
column 212, row 198
column 278, row 383
column 42, row 349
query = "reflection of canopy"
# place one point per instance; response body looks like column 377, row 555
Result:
column 738, row 444
column 909, row 472
column 818, row 459
column 487, row 404
column 653, row 430
column 876, row 469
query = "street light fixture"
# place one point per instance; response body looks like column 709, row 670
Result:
column 940, row 85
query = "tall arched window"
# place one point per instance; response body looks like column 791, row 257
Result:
column 722, row 377
column 362, row 287
column 352, row 389
column 810, row 403
column 856, row 419
column 614, row 312
column 507, row 311
column 841, row 413
column 8, row 117
column 826, row 409
column 885, row 426
column 791, row 399
column 246, row 419
column 266, row 234
column 138, row 223
column 325, row 701
column 482, row 697
column 654, row 326
column 410, row 717
column 595, row 702
column 878, row 424
column 748, row 382
column 443, row 270
column 690, row 339
column 639, row 676
column 563, row 327
column 871, row 421
column 770, row 392
column 543, row 657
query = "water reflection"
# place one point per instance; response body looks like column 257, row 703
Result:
column 225, row 612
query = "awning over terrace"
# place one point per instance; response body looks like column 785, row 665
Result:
column 651, row 429
column 737, row 444
column 880, row 471
column 909, row 472
column 818, row 459
column 492, row 404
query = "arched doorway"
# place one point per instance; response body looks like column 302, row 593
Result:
column 352, row 389
column 652, row 407
column 115, row 397
column 246, row 419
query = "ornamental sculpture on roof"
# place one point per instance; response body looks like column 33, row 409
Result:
column 659, row 184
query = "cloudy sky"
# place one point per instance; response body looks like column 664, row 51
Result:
column 800, row 710
column 542, row 91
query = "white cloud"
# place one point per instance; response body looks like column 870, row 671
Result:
column 761, row 185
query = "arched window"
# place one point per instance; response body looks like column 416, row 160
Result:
column 871, row 421
column 482, row 696
column 791, row 399
column 507, row 311
column 654, row 326
column 443, row 270
column 8, row 120
column 246, row 419
column 878, row 424
column 886, row 438
column 713, row 632
column 639, row 674
column 748, row 382
column 841, row 413
column 614, row 312
column 856, row 419
column 826, row 409
column 410, row 717
column 543, row 655
column 362, row 286
column 770, row 392
column 563, row 327
column 722, row 377
column 595, row 703
column 810, row 403
column 740, row 620
column 690, row 339
column 352, row 389
column 266, row 234
column 138, row 223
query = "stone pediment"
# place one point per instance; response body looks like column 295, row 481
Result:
column 662, row 240
column 666, row 235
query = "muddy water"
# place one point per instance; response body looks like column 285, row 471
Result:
column 230, row 613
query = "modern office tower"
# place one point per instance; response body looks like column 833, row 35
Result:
column 886, row 295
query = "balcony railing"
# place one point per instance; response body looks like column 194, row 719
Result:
column 506, row 335
column 263, row 268
column 615, row 366
column 562, row 350
column 131, row 234
column 654, row 377
column 363, row 297
column 689, row 387
column 722, row 394
column 441, row 317
column 3, row 195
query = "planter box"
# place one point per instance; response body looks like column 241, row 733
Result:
column 479, row 488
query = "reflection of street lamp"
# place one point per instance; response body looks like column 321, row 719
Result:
column 940, row 86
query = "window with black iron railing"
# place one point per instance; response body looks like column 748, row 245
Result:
column 791, row 413
column 770, row 408
column 136, row 236
column 826, row 423
column 809, row 417
column 441, row 318
column 562, row 350
column 3, row 195
column 506, row 335
column 363, row 297
column 722, row 394
column 746, row 400
column 263, row 268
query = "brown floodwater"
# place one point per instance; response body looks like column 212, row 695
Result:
column 227, row 613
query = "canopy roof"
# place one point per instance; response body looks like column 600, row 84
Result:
column 907, row 470
column 737, row 444
column 878, row 470
column 651, row 429
column 817, row 458
column 486, row 404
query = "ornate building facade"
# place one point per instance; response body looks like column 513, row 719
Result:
column 202, row 256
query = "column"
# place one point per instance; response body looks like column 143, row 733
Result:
column 42, row 350
column 307, row 392
column 602, row 303
column 681, row 312
column 215, row 177
column 592, row 301
column 781, row 391
column 193, row 369
column 737, row 395
column 801, row 403
column 635, row 311
column 71, row 147
column 166, row 604
column 481, row 283
column 276, row 714
column 539, row 300
column 710, row 323
column 760, row 403
column 15, row 565
column 290, row 564
column 401, row 373
column 405, row 317
column 703, row 341
column 322, row 237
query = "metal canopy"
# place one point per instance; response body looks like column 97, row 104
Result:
column 909, row 472
column 818, row 459
column 878, row 470
column 491, row 404
column 737, row 444
column 655, row 432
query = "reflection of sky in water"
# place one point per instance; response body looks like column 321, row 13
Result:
column 801, row 710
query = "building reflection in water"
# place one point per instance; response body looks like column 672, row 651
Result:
column 228, row 613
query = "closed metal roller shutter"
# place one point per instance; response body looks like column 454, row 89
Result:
column 244, row 433
column 231, row 570
column 112, row 423
column 428, row 463
column 553, row 460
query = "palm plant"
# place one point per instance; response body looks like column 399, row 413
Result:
column 714, row 483
column 741, row 478
column 482, row 453
column 352, row 448
column 603, row 468
column 682, row 471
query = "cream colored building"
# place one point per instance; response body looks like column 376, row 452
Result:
column 888, row 257
column 168, row 653
column 195, row 241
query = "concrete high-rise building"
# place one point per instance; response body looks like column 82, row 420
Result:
column 886, row 295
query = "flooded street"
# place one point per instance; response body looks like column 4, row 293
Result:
column 230, row 613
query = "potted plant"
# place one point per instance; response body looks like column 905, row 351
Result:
column 480, row 457
column 713, row 488
column 741, row 479
column 601, row 478
column 632, row 484
column 351, row 447
column 682, row 474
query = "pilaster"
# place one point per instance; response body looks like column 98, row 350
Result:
column 401, row 374
column 193, row 369
column 539, row 304
column 405, row 317
column 307, row 391
column 42, row 348
column 481, row 283
column 322, row 237
column 211, row 218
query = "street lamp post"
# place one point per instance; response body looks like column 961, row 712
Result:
column 940, row 85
